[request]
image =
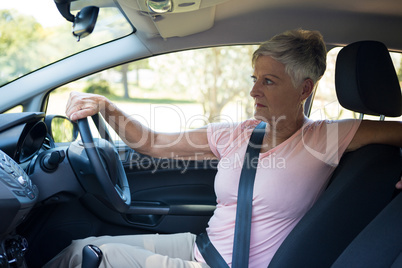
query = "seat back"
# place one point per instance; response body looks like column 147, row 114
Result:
column 364, row 182
column 379, row 244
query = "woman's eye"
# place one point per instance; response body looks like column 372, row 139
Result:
column 268, row 81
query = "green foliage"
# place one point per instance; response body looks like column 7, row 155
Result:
column 125, row 68
column 100, row 87
column 62, row 130
column 400, row 72
column 17, row 34
column 216, row 76
column 25, row 45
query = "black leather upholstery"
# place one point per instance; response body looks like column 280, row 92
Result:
column 366, row 80
column 380, row 244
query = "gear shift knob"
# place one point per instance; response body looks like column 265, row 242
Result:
column 91, row 256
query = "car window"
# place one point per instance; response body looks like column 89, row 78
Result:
column 326, row 105
column 34, row 34
column 189, row 89
column 176, row 91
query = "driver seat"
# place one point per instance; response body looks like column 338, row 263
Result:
column 364, row 182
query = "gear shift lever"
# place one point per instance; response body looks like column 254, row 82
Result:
column 91, row 256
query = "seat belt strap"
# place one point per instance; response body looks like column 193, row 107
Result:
column 209, row 252
column 241, row 243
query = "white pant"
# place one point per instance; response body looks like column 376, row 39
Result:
column 159, row 251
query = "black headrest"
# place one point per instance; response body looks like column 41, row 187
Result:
column 366, row 81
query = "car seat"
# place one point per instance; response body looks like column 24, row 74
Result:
column 379, row 244
column 364, row 182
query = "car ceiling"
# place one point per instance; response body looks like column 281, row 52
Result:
column 239, row 21
column 217, row 22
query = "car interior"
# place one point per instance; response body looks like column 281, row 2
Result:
column 62, row 180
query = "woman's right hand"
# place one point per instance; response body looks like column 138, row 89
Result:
column 81, row 105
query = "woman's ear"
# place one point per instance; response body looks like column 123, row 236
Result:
column 307, row 88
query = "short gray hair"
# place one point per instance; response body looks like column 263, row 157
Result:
column 302, row 52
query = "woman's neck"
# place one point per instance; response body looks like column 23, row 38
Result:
column 280, row 130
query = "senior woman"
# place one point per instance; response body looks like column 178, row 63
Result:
column 286, row 71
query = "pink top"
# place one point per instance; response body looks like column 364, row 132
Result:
column 289, row 179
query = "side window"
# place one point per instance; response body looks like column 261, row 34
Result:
column 325, row 103
column 176, row 91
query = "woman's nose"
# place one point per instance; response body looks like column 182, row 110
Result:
column 255, row 90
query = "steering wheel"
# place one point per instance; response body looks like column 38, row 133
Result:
column 107, row 167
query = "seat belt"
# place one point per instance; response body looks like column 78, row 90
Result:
column 241, row 243
column 209, row 252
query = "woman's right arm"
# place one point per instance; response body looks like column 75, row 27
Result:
column 183, row 145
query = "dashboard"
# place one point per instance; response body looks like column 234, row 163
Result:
column 35, row 174
column 21, row 137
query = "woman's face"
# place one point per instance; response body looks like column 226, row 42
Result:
column 275, row 97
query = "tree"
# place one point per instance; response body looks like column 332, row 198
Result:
column 400, row 73
column 125, row 68
column 226, row 76
column 26, row 46
column 216, row 75
column 17, row 54
column 101, row 87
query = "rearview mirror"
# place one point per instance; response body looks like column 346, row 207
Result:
column 84, row 22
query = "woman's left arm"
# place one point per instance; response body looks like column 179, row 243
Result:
column 380, row 132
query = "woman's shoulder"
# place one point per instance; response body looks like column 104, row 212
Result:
column 249, row 124
column 317, row 124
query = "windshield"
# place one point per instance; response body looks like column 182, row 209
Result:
column 33, row 34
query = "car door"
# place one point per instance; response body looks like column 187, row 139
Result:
column 171, row 195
